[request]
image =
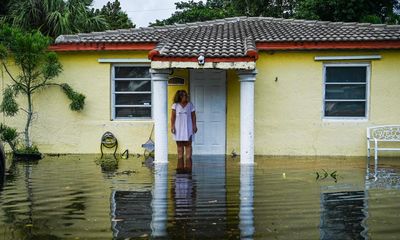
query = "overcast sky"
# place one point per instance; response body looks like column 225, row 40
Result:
column 142, row 12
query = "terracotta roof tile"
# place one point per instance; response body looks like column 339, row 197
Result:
column 236, row 37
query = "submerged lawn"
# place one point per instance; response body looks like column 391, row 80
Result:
column 69, row 197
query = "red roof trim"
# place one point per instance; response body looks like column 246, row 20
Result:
column 153, row 53
column 328, row 45
column 208, row 59
column 65, row 47
column 252, row 53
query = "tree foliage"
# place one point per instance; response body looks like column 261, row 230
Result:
column 36, row 69
column 9, row 135
column 114, row 16
column 192, row 11
column 3, row 7
column 374, row 11
column 270, row 8
column 9, row 105
column 56, row 17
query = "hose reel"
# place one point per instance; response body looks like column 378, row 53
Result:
column 108, row 140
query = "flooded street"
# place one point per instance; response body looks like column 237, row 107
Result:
column 69, row 197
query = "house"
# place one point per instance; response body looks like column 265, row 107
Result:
column 267, row 87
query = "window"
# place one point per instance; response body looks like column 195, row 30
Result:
column 346, row 90
column 131, row 92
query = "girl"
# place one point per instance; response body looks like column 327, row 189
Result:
column 183, row 127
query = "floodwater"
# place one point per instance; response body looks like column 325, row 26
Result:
column 69, row 197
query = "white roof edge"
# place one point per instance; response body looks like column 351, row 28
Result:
column 124, row 60
column 361, row 57
column 207, row 65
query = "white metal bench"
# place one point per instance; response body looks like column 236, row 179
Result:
column 384, row 133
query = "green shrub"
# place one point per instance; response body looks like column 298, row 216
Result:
column 108, row 163
column 9, row 135
column 9, row 106
column 27, row 150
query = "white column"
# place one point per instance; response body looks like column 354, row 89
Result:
column 159, row 201
column 247, row 79
column 160, row 113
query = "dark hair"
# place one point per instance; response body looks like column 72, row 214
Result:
column 178, row 95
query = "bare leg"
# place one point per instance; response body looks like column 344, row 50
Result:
column 188, row 149
column 180, row 156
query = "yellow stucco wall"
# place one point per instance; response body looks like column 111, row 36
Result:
column 232, row 113
column 288, row 112
column 56, row 129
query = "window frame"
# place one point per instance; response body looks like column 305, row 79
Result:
column 367, row 94
column 113, row 92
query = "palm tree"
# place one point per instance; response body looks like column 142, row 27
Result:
column 56, row 17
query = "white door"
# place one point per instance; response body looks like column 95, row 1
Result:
column 208, row 94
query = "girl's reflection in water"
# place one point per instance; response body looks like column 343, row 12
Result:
column 184, row 197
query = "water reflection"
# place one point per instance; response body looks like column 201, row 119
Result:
column 343, row 215
column 159, row 201
column 346, row 214
column 344, row 210
column 199, row 200
column 383, row 187
column 22, row 212
column 194, row 205
column 385, row 176
column 276, row 199
column 129, row 211
column 246, row 202
column 184, row 205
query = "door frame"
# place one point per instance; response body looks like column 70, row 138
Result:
column 225, row 80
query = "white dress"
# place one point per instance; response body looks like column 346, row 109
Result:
column 183, row 122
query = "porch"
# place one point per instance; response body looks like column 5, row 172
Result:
column 209, row 87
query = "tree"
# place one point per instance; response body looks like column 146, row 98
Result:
column 55, row 17
column 36, row 68
column 214, row 9
column 3, row 7
column 114, row 16
column 268, row 8
column 374, row 11
column 192, row 11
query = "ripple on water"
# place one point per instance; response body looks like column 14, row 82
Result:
column 70, row 197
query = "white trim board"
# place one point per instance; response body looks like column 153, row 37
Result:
column 365, row 57
column 123, row 60
column 207, row 65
